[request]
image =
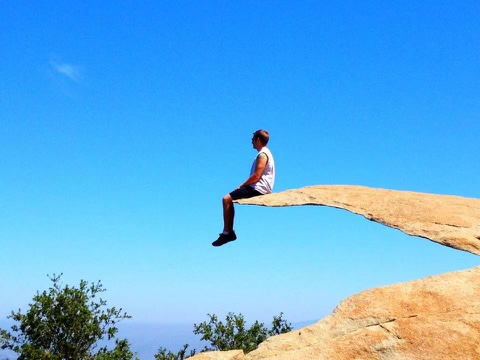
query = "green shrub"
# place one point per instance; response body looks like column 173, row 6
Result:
column 232, row 334
column 66, row 323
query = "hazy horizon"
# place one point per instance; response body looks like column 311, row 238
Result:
column 146, row 338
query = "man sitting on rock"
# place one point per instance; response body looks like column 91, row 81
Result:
column 260, row 182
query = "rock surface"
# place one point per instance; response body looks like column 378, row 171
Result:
column 220, row 355
column 430, row 319
column 452, row 221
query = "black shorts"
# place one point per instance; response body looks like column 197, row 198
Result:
column 244, row 192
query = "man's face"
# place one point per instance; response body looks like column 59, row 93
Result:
column 256, row 143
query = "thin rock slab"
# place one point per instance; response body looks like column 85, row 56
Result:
column 452, row 221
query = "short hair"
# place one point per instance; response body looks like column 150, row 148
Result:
column 262, row 135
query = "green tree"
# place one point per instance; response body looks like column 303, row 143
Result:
column 232, row 334
column 164, row 354
column 121, row 351
column 67, row 323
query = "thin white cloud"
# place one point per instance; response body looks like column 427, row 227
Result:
column 70, row 71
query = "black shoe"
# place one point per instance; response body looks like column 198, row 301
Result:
column 225, row 238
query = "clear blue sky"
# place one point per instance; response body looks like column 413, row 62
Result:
column 123, row 123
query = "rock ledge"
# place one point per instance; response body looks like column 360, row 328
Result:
column 452, row 221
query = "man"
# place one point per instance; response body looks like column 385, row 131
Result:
column 260, row 182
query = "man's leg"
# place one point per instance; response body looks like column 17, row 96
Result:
column 228, row 213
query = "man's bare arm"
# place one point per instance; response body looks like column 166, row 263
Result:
column 260, row 164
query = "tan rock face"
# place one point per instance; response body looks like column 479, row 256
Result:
column 430, row 319
column 448, row 220
column 220, row 355
column 433, row 318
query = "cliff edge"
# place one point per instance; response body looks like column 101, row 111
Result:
column 434, row 318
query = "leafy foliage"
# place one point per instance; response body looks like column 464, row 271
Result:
column 232, row 334
column 120, row 352
column 66, row 323
column 164, row 354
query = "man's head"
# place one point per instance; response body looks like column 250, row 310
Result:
column 262, row 136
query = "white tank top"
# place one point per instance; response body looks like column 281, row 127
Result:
column 265, row 184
